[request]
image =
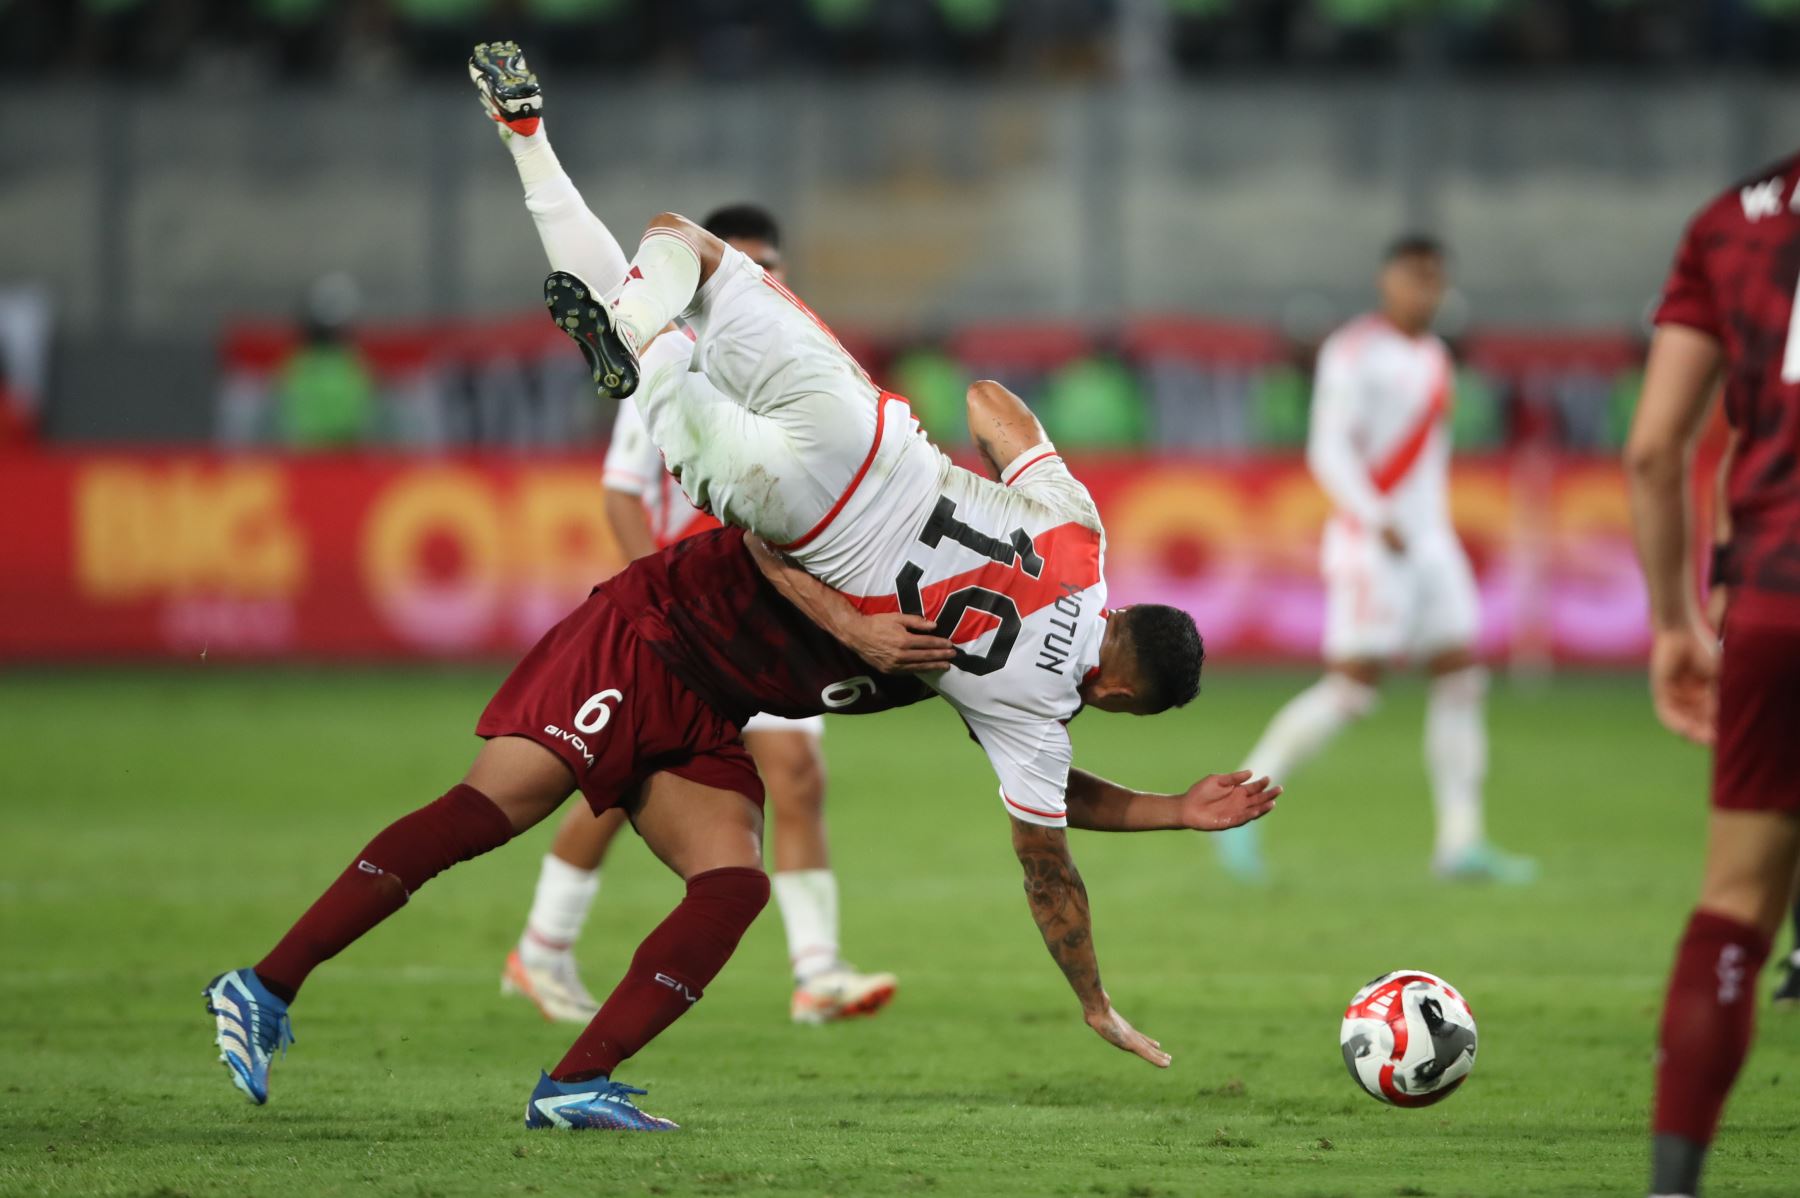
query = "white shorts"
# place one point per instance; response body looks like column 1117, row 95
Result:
column 811, row 725
column 770, row 420
column 1382, row 605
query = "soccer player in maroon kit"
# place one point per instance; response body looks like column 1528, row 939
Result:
column 636, row 699
column 1728, row 313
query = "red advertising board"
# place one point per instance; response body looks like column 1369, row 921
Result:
column 132, row 555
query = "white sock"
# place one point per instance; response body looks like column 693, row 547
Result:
column 1308, row 723
column 558, row 909
column 658, row 286
column 809, row 910
column 1456, row 758
column 574, row 238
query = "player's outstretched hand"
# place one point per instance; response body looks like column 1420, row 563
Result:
column 1684, row 681
column 1221, row 801
column 1115, row 1031
column 896, row 643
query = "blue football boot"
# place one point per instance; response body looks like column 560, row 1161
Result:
column 594, row 1105
column 251, row 1025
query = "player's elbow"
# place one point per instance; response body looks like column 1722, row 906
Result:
column 1651, row 458
column 989, row 401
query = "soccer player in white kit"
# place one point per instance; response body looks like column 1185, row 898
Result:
column 1398, row 585
column 648, row 512
column 769, row 424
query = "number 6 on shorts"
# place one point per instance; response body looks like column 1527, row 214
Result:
column 594, row 714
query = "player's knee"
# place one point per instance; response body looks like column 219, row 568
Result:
column 1353, row 696
column 1764, row 908
column 738, row 892
column 793, row 773
column 1750, row 895
column 673, row 220
column 1465, row 685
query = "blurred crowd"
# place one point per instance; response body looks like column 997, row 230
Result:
column 204, row 40
column 1168, row 383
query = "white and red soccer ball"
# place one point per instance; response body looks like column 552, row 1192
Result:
column 1408, row 1038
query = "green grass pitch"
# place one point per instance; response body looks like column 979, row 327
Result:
column 161, row 826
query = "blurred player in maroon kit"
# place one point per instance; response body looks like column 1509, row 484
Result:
column 1728, row 313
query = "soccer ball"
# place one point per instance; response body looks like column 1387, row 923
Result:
column 1408, row 1038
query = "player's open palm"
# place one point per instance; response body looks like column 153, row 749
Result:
column 1117, row 1032
column 1684, row 676
column 1221, row 801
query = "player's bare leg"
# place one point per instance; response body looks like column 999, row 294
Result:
column 712, row 839
column 542, row 965
column 1456, row 757
column 1710, row 1013
column 826, row 988
column 1299, row 732
column 513, row 784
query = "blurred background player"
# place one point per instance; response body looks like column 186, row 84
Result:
column 1728, row 312
column 1397, row 581
column 647, row 511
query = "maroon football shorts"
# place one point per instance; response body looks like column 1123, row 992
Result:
column 1756, row 758
column 595, row 694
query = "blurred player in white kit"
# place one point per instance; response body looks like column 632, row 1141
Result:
column 1398, row 585
column 647, row 511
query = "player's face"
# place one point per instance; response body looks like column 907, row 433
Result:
column 761, row 253
column 1412, row 287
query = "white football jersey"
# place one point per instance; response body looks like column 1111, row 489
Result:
column 1013, row 573
column 773, row 426
column 1380, row 436
column 634, row 465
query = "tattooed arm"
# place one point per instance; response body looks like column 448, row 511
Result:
column 1059, row 904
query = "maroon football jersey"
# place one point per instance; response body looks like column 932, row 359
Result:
column 704, row 608
column 1736, row 277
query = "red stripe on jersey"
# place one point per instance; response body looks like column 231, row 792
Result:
column 1071, row 554
column 881, row 404
column 1020, row 473
column 1388, row 473
column 1032, row 810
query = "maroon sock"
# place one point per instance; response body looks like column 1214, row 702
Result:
column 669, row 971
column 1706, row 1025
column 405, row 855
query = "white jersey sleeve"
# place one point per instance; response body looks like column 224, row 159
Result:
column 1332, row 443
column 1031, row 758
column 633, row 464
column 1040, row 474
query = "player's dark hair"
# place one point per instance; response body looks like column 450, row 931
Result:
column 1167, row 650
column 1414, row 245
column 743, row 222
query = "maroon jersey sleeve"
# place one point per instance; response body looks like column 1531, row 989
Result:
column 1687, row 297
column 719, row 625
